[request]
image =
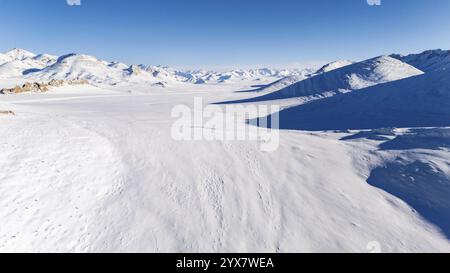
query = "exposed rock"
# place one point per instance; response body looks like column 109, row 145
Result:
column 160, row 84
column 41, row 87
column 134, row 70
column 7, row 113
column 200, row 81
column 56, row 83
column 77, row 81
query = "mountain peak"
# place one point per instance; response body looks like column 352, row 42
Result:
column 333, row 65
column 19, row 54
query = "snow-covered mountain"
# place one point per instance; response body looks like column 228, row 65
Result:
column 19, row 63
column 202, row 77
column 333, row 65
column 16, row 54
column 284, row 82
column 302, row 75
column 420, row 101
column 134, row 176
column 427, row 61
column 345, row 79
column 79, row 66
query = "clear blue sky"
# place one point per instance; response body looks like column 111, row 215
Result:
column 215, row 33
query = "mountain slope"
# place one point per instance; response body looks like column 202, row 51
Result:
column 16, row 54
column 284, row 82
column 19, row 62
column 290, row 80
column 420, row 101
column 332, row 66
column 345, row 79
column 79, row 66
column 427, row 61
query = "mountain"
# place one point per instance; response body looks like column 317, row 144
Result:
column 16, row 54
column 427, row 61
column 45, row 59
column 18, row 62
column 343, row 80
column 118, row 65
column 80, row 66
column 419, row 101
column 284, row 82
column 15, row 68
column 332, row 66
column 202, row 77
column 302, row 75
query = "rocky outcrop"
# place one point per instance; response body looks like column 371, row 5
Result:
column 134, row 70
column 160, row 84
column 41, row 87
column 27, row 87
column 7, row 113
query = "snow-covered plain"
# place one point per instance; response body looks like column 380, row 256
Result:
column 95, row 169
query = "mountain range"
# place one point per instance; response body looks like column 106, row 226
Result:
column 386, row 91
column 19, row 63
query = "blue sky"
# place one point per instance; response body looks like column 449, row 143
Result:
column 214, row 33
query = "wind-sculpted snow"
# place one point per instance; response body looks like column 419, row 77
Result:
column 382, row 134
column 88, row 169
column 431, row 139
column 421, row 184
column 414, row 166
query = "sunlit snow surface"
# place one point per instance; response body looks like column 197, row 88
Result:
column 85, row 169
column 95, row 168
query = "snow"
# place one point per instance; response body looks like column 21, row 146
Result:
column 427, row 61
column 18, row 54
column 80, row 66
column 342, row 80
column 284, row 82
column 44, row 67
column 86, row 169
column 95, row 169
column 334, row 65
column 302, row 75
column 420, row 101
